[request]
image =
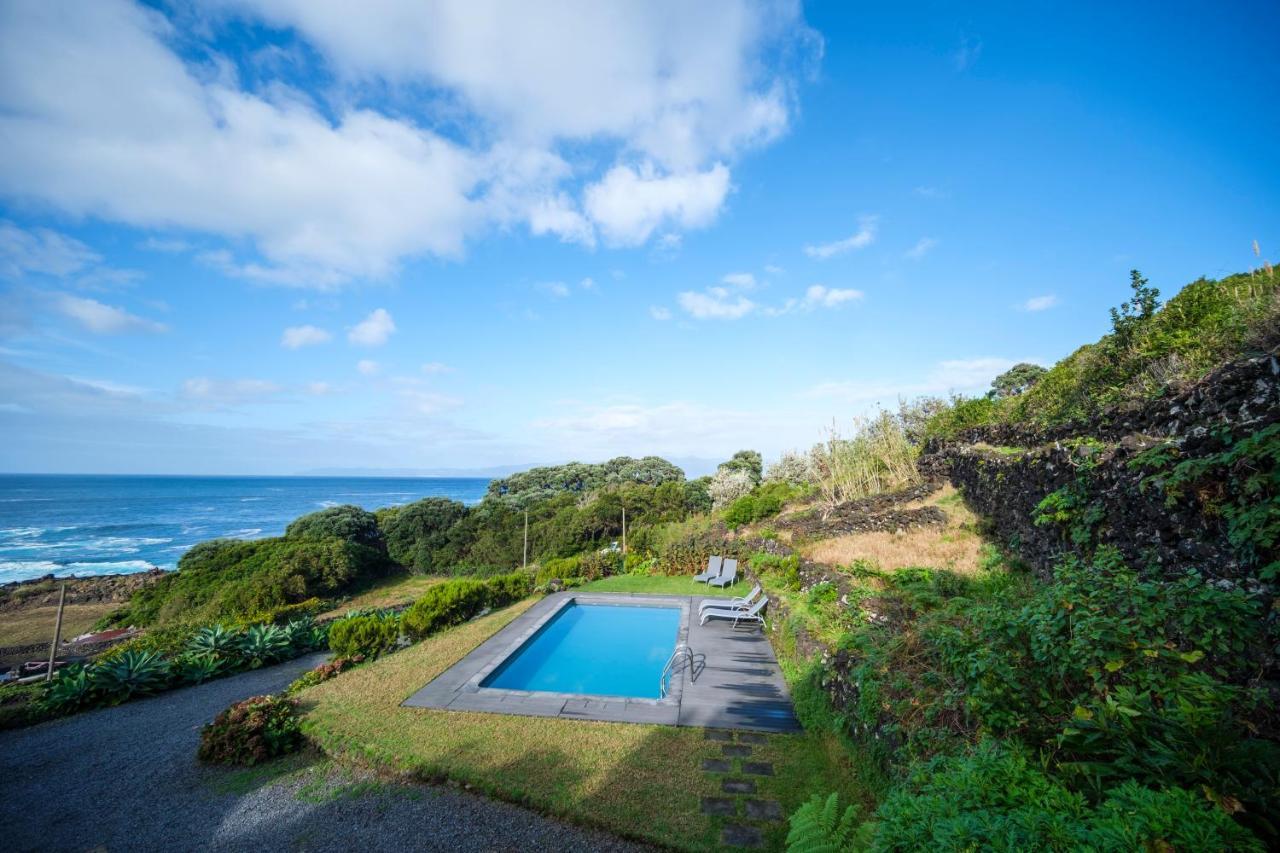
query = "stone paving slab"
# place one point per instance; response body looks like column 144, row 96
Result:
column 734, row 681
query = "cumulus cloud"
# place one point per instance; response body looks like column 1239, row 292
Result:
column 715, row 303
column 103, row 319
column 1040, row 303
column 630, row 204
column 820, row 296
column 658, row 312
column 863, row 237
column 555, row 289
column 296, row 337
column 126, row 128
column 374, row 330
column 368, row 367
column 923, row 246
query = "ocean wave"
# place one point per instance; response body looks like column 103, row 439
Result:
column 18, row 570
column 21, row 532
column 327, row 504
column 245, row 533
column 245, row 500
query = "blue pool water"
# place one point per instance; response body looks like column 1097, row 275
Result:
column 594, row 648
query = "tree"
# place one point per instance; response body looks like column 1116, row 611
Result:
column 747, row 461
column 347, row 522
column 1016, row 380
column 419, row 534
column 1134, row 314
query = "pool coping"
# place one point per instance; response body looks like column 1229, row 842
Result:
column 742, row 689
column 672, row 697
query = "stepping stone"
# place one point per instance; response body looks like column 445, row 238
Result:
column 739, row 835
column 735, row 751
column 764, row 810
column 717, row 765
column 751, row 737
column 738, row 786
column 716, row 734
column 719, row 806
column 757, row 768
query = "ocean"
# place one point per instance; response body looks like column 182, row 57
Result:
column 101, row 525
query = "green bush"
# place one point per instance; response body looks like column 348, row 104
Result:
column 250, row 732
column 347, row 522
column 71, row 689
column 560, row 568
column 443, row 605
column 508, row 588
column 133, row 673
column 322, row 673
column 819, row 826
column 995, row 798
column 370, row 635
column 425, row 535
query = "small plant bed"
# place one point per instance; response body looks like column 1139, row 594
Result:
column 637, row 781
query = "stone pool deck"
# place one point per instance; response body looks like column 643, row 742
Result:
column 734, row 681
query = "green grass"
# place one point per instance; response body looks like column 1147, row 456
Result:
column 388, row 592
column 636, row 781
column 661, row 585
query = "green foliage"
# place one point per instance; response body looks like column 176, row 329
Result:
column 749, row 462
column 766, row 501
column 819, row 826
column 347, row 522
column 580, row 478
column 456, row 601
column 996, row 798
column 785, row 569
column 131, row 674
column 250, row 732
column 425, row 535
column 960, row 414
column 264, row 644
column 323, row 672
column 71, row 689
column 559, row 568
column 370, row 635
column 1134, row 314
column 215, row 640
column 876, row 457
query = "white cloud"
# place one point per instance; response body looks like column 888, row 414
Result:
column 374, row 330
column 1040, row 303
column 368, row 367
column 41, row 251
column 319, row 389
column 863, row 237
column 434, row 367
column 773, row 269
column 931, row 192
column 229, row 391
column 744, row 280
column 296, row 337
column 429, row 402
column 556, row 289
column 922, row 247
column 628, row 205
column 104, row 319
column 953, row 375
column 658, row 312
column 587, row 283
column 125, row 128
column 716, row 303
column 819, row 296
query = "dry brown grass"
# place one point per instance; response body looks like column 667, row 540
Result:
column 955, row 547
column 35, row 625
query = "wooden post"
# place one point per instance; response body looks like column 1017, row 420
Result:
column 57, row 633
column 526, row 539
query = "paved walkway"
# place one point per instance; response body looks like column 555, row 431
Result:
column 734, row 681
column 126, row 779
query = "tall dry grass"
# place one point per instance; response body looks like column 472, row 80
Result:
column 875, row 457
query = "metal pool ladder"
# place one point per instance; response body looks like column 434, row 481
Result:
column 682, row 650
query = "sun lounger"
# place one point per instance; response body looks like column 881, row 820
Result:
column 714, row 564
column 741, row 603
column 752, row 614
column 728, row 574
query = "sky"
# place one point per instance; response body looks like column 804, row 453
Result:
column 274, row 237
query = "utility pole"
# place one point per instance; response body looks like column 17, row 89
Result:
column 526, row 539
column 624, row 536
column 57, row 632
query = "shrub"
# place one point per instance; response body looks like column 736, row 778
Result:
column 70, row 690
column 876, row 458
column 443, row 605
column 600, row 564
column 792, row 468
column 322, row 673
column 728, row 485
column 508, row 588
column 424, row 535
column 560, row 568
column 994, row 797
column 252, row 731
column 347, row 522
column 264, row 644
column 194, row 668
column 370, row 635
column 765, row 502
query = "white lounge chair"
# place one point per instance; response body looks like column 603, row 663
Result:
column 728, row 574
column 751, row 614
column 740, row 603
column 715, row 563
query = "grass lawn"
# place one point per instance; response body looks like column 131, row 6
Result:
column 389, row 592
column 638, row 781
column 661, row 585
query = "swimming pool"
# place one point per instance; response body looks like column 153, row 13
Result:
column 600, row 649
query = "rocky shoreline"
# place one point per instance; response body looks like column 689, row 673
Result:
column 99, row 589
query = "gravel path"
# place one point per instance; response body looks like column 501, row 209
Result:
column 126, row 778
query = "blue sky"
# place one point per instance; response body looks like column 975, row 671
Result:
column 264, row 236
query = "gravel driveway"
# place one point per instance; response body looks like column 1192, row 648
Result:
column 126, row 778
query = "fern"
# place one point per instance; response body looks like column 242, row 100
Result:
column 819, row 827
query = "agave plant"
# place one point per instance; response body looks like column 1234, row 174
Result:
column 303, row 634
column 215, row 640
column 133, row 673
column 264, row 644
column 197, row 668
column 70, row 689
